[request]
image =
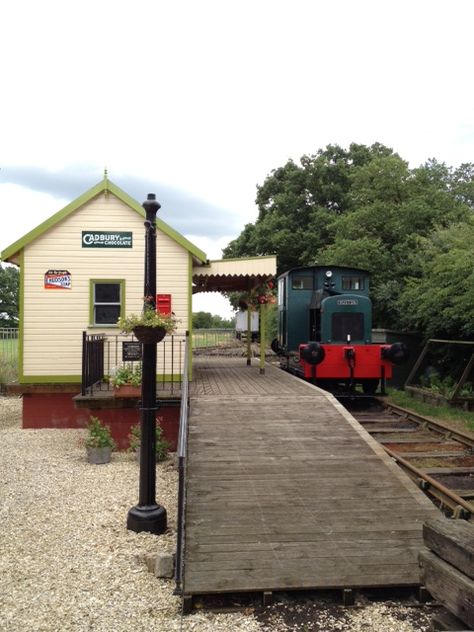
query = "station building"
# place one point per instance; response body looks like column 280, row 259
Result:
column 83, row 268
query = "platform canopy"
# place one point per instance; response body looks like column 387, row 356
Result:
column 233, row 275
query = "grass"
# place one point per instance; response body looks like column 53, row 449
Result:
column 212, row 338
column 8, row 360
column 461, row 419
column 9, row 347
column 8, row 370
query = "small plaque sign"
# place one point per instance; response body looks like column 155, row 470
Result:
column 131, row 351
column 347, row 301
column 106, row 239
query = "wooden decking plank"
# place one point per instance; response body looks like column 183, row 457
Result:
column 285, row 490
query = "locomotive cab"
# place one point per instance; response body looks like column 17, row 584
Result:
column 325, row 329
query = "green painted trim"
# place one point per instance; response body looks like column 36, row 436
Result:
column 121, row 282
column 104, row 186
column 52, row 221
column 21, row 313
column 50, row 379
column 176, row 378
column 160, row 224
column 77, row 379
column 190, row 316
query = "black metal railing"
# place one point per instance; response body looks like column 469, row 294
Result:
column 92, row 360
column 182, row 453
column 103, row 354
column 444, row 372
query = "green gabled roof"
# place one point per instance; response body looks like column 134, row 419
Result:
column 104, row 186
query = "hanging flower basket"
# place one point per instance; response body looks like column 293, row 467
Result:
column 149, row 335
column 150, row 326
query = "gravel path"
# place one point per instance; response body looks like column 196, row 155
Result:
column 67, row 562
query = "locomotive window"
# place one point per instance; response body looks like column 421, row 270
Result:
column 347, row 323
column 352, row 283
column 302, row 283
column 281, row 292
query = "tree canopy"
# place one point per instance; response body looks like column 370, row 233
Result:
column 9, row 291
column 206, row 320
column 364, row 207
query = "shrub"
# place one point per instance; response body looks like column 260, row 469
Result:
column 127, row 375
column 98, row 435
column 162, row 446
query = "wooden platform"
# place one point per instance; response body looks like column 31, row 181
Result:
column 285, row 490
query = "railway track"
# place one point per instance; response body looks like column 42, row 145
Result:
column 438, row 458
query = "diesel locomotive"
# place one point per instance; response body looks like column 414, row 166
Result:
column 325, row 330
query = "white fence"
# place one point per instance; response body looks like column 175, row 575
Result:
column 8, row 355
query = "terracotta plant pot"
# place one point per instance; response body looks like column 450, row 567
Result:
column 127, row 390
column 149, row 335
column 97, row 456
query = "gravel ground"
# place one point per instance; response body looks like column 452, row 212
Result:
column 67, row 562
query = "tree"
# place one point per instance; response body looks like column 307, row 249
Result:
column 363, row 207
column 440, row 302
column 298, row 202
column 206, row 320
column 9, row 294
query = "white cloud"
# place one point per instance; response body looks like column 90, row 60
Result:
column 209, row 97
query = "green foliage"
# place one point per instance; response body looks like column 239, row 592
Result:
column 162, row 446
column 8, row 369
column 459, row 418
column 98, row 435
column 148, row 318
column 127, row 374
column 271, row 322
column 439, row 300
column 206, row 320
column 9, row 296
column 365, row 207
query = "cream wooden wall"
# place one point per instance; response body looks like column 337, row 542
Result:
column 54, row 319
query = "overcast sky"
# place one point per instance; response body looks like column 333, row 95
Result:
column 199, row 100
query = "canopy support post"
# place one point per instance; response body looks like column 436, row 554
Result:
column 263, row 318
column 249, row 336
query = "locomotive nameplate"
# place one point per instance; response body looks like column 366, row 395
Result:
column 347, row 301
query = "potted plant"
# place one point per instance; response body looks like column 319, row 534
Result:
column 99, row 443
column 150, row 326
column 127, row 381
column 162, row 446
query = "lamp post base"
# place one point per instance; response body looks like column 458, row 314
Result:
column 150, row 518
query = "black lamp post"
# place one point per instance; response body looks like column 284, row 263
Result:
column 147, row 515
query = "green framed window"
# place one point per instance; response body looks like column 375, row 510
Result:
column 107, row 302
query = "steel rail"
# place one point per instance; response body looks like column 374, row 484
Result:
column 459, row 507
column 463, row 437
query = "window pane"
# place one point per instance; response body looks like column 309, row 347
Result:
column 302, row 283
column 281, row 292
column 107, row 292
column 107, row 314
column 352, row 283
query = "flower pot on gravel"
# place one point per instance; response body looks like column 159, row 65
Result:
column 98, row 456
column 99, row 443
column 161, row 445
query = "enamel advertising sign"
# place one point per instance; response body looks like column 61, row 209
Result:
column 106, row 239
column 57, row 280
